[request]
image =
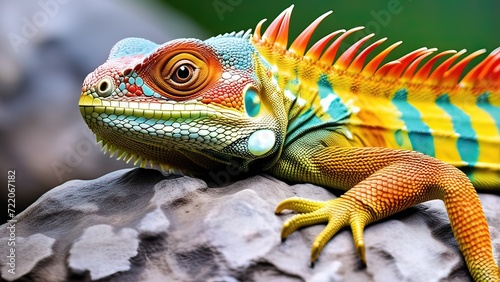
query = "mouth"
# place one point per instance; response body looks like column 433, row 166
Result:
column 163, row 110
column 166, row 125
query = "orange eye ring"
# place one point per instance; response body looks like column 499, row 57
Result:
column 182, row 74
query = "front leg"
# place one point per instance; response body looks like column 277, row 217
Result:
column 381, row 182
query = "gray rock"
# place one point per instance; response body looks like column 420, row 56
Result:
column 108, row 255
column 29, row 251
column 141, row 225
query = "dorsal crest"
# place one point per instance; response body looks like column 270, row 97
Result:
column 241, row 34
column 406, row 68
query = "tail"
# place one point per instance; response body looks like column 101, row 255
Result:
column 470, row 228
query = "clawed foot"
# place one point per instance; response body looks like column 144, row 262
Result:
column 338, row 213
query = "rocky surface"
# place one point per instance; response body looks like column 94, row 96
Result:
column 141, row 225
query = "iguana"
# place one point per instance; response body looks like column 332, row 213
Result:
column 392, row 136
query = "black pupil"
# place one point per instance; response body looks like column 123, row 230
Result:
column 183, row 72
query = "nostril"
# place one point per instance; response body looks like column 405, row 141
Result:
column 105, row 87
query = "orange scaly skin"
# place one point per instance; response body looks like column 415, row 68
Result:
column 392, row 136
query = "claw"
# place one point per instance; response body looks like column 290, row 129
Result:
column 336, row 221
column 361, row 252
column 316, row 251
column 299, row 205
column 358, row 222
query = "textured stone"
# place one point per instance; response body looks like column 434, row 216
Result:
column 102, row 251
column 154, row 223
column 28, row 252
column 141, row 225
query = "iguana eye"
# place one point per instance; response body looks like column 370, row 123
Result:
column 183, row 74
column 182, row 70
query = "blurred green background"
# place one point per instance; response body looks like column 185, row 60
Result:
column 443, row 24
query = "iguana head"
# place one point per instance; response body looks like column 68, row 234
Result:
column 186, row 104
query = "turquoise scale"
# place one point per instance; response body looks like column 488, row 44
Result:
column 337, row 109
column 483, row 101
column 467, row 145
column 419, row 133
